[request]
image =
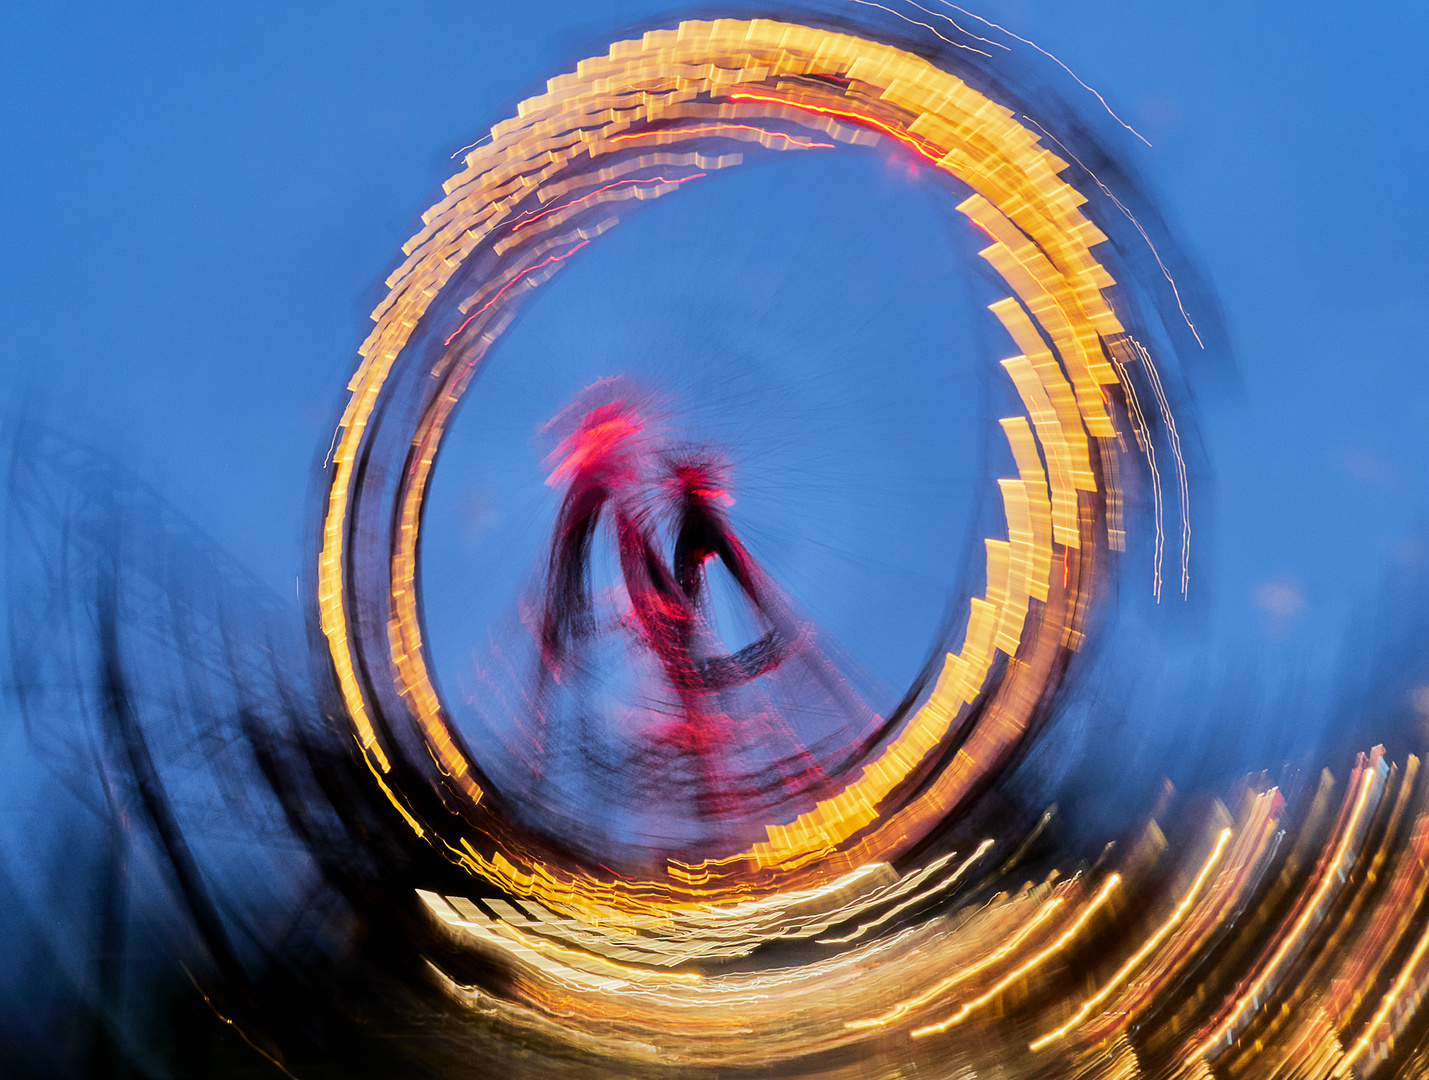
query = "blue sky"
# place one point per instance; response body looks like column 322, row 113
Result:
column 200, row 204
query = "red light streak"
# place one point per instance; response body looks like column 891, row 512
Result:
column 527, row 219
column 912, row 143
column 802, row 144
column 513, row 281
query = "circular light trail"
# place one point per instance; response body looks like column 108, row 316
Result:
column 652, row 116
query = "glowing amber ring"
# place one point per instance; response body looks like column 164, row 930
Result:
column 638, row 123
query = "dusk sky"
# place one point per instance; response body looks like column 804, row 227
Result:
column 201, row 203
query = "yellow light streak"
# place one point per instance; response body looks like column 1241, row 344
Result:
column 1327, row 879
column 1146, row 949
column 1061, row 942
column 917, row 898
column 903, row 1008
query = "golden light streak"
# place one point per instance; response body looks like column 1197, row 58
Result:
column 1386, row 1006
column 1403, row 899
column 1252, row 993
column 903, row 1008
column 705, row 130
column 572, row 956
column 913, row 144
column 1061, row 942
column 1166, row 273
column 918, row 898
column 1146, row 949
